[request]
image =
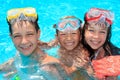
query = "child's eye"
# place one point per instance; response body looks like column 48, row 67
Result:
column 91, row 30
column 16, row 36
column 74, row 33
column 103, row 32
column 30, row 34
column 63, row 34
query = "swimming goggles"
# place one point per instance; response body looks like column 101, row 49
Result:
column 96, row 14
column 72, row 23
column 22, row 14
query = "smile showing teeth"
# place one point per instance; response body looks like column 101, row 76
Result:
column 26, row 47
column 95, row 42
column 69, row 43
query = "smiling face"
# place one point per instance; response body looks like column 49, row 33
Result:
column 25, row 37
column 69, row 39
column 95, row 35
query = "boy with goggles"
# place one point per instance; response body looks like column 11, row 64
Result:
column 72, row 54
column 96, row 38
column 30, row 62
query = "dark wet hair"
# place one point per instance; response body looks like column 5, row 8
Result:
column 33, row 23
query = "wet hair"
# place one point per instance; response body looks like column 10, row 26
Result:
column 107, row 46
column 21, row 21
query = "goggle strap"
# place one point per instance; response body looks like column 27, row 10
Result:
column 94, row 18
column 109, row 21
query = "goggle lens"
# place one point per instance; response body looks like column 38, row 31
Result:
column 96, row 14
column 15, row 13
column 72, row 23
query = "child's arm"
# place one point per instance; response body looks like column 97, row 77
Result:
column 7, row 68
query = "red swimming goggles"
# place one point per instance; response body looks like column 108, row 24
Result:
column 96, row 14
column 72, row 23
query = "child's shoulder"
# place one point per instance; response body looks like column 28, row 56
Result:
column 49, row 59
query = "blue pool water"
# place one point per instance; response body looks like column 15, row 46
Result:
column 49, row 11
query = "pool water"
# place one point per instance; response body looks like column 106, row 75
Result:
column 49, row 11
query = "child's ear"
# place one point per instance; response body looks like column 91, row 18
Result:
column 38, row 33
column 82, row 25
column 56, row 41
column 80, row 37
column 10, row 35
column 56, row 36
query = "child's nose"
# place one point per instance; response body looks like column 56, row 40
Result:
column 69, row 37
column 24, row 40
column 96, row 35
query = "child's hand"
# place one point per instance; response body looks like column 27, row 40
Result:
column 7, row 68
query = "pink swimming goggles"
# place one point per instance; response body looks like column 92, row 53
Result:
column 95, row 14
column 72, row 23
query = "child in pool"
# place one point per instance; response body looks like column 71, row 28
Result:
column 71, row 51
column 30, row 63
column 96, row 35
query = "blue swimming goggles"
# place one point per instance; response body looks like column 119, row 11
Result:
column 72, row 23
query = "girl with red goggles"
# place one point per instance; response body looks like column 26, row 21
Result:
column 96, row 36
